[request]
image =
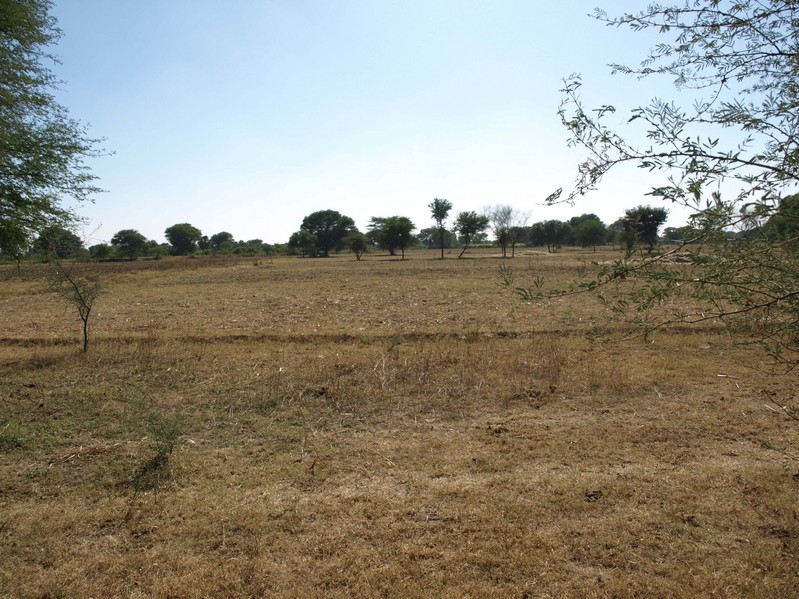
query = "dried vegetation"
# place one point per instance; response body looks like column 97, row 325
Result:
column 333, row 428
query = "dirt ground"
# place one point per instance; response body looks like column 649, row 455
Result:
column 334, row 428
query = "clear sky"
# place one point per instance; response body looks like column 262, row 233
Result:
column 247, row 115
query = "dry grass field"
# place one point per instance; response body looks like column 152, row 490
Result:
column 384, row 428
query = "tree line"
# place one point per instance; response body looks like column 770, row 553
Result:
column 327, row 231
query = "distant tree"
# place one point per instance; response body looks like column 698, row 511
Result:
column 506, row 222
column 679, row 234
column 183, row 238
column 391, row 233
column 158, row 250
column 251, row 247
column 555, row 233
column 100, row 251
column 439, row 209
column 430, row 238
column 42, row 149
column 783, row 225
column 519, row 235
column 303, row 242
column 357, row 243
column 80, row 291
column 734, row 125
column 330, row 228
column 537, row 234
column 222, row 241
column 591, row 232
column 58, row 242
column 641, row 226
column 469, row 226
column 129, row 243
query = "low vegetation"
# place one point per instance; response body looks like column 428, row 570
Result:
column 383, row 427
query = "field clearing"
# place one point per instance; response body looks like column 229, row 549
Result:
column 333, row 428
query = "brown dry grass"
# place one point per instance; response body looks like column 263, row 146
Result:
column 383, row 428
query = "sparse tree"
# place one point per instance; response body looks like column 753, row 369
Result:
column 79, row 291
column 736, row 64
column 43, row 151
column 357, row 243
column 469, row 226
column 439, row 209
column 506, row 225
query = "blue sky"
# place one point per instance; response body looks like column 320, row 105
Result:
column 245, row 116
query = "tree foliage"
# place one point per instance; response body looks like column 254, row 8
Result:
column 57, row 242
column 392, row 233
column 302, row 241
column 43, row 151
column 729, row 154
column 330, row 228
column 358, row 244
column 439, row 209
column 470, row 225
column 590, row 232
column 129, row 243
column 183, row 238
column 80, row 291
column 642, row 224
column 220, row 241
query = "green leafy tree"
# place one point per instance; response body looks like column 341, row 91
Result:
column 358, row 244
column 469, row 226
column 60, row 243
column 439, row 208
column 101, row 251
column 591, row 232
column 221, row 242
column 43, row 151
column 555, row 233
column 736, row 64
column 537, row 235
column 641, row 226
column 129, row 243
column 783, row 226
column 183, row 238
column 392, row 233
column 330, row 228
column 430, row 238
column 303, row 242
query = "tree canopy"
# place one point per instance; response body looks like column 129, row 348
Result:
column 641, row 225
column 183, row 238
column 129, row 243
column 439, row 209
column 330, row 228
column 729, row 153
column 470, row 225
column 58, row 242
column 392, row 233
column 43, row 151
